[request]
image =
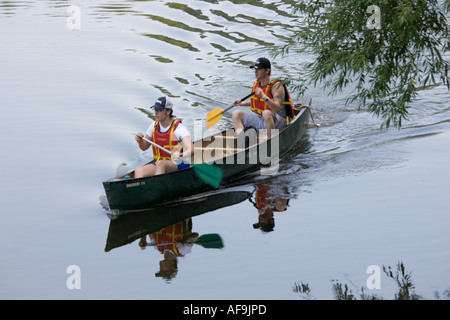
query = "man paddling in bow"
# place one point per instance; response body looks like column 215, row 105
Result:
column 268, row 103
column 166, row 132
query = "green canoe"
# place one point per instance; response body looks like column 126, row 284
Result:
column 221, row 151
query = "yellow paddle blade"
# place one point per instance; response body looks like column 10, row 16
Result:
column 213, row 116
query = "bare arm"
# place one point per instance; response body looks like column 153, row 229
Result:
column 188, row 149
column 188, row 146
column 238, row 102
column 277, row 94
column 143, row 145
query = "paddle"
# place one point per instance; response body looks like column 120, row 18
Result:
column 208, row 173
column 208, row 241
column 214, row 115
column 211, row 240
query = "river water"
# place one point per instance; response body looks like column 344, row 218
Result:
column 352, row 196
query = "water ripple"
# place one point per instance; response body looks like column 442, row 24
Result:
column 11, row 7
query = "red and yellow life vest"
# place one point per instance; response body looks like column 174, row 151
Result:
column 167, row 237
column 166, row 140
column 258, row 105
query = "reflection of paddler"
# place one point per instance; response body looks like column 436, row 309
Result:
column 168, row 268
column 173, row 241
column 266, row 202
column 261, row 195
column 173, row 238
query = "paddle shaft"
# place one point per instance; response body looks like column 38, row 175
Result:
column 201, row 240
column 203, row 244
column 213, row 116
column 156, row 145
column 238, row 102
column 168, row 243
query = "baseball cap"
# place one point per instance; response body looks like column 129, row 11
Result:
column 162, row 103
column 261, row 63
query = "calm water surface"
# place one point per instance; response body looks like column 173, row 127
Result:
column 350, row 195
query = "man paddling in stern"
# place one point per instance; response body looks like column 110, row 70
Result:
column 167, row 132
column 268, row 103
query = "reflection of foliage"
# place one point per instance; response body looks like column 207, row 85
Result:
column 342, row 293
column 365, row 296
column 303, row 288
column 400, row 276
column 404, row 282
column 445, row 294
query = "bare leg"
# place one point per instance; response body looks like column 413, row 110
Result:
column 238, row 117
column 145, row 171
column 165, row 166
column 269, row 120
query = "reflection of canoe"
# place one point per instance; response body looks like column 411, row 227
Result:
column 126, row 228
column 223, row 149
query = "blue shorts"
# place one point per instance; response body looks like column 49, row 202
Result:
column 180, row 165
column 183, row 165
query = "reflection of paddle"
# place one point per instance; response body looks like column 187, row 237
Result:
column 208, row 241
column 214, row 115
column 211, row 240
column 208, row 173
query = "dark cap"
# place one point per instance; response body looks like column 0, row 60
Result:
column 162, row 103
column 261, row 63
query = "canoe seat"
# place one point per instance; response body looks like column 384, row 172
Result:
column 224, row 137
column 261, row 137
column 208, row 154
column 221, row 146
column 228, row 141
column 227, row 150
